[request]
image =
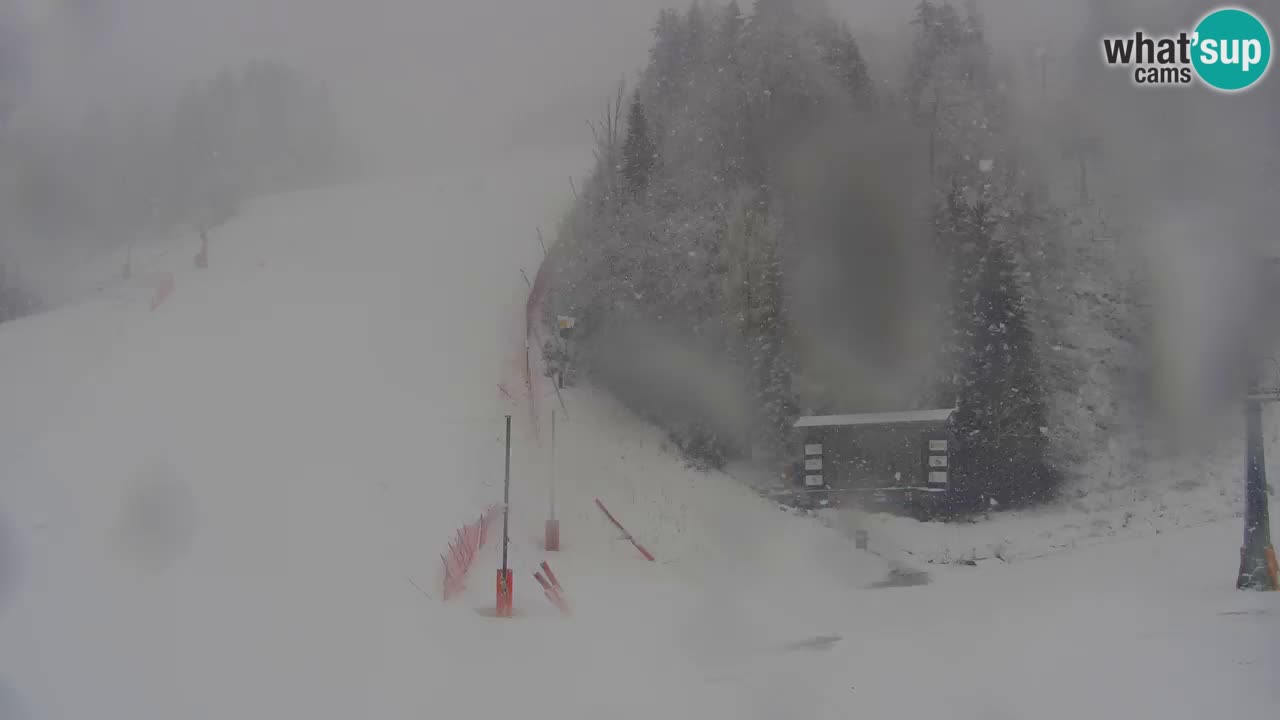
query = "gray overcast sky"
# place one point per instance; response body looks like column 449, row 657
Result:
column 417, row 79
column 424, row 80
column 421, row 77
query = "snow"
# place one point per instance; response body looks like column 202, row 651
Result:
column 886, row 418
column 220, row 509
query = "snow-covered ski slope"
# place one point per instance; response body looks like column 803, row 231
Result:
column 233, row 507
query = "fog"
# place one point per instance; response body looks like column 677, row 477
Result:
column 422, row 82
column 1188, row 180
column 422, row 86
column 419, row 82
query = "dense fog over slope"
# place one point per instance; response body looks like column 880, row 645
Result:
column 274, row 273
column 1185, row 177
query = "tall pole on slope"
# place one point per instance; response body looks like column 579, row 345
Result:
column 1255, row 571
column 1258, row 569
column 553, row 464
column 506, row 499
column 552, row 539
column 504, row 573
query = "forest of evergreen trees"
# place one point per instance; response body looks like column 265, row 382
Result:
column 772, row 229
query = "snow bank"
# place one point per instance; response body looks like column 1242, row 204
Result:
column 221, row 509
column 1196, row 489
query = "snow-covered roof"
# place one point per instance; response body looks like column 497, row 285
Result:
column 890, row 418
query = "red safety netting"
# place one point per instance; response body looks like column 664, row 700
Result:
column 463, row 548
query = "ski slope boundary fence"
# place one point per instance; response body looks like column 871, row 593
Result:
column 463, row 548
column 625, row 534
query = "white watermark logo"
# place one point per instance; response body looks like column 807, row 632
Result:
column 1229, row 50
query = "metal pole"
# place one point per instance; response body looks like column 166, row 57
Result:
column 553, row 464
column 506, row 500
column 560, row 397
column 1257, row 554
column 1254, row 573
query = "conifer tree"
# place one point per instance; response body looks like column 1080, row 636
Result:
column 959, row 258
column 729, row 31
column 1001, row 413
column 667, row 56
column 639, row 155
column 697, row 35
column 728, row 123
column 841, row 54
column 767, row 333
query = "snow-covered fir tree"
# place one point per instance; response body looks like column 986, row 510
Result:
column 638, row 153
column 774, row 239
column 1000, row 423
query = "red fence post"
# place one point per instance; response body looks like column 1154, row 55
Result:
column 551, row 576
column 552, row 591
column 504, row 593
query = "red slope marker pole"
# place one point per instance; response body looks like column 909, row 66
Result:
column 648, row 555
column 552, row 593
column 543, row 582
column 546, row 589
column 551, row 576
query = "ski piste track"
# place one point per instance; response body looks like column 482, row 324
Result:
column 471, row 538
column 234, row 505
column 468, row 540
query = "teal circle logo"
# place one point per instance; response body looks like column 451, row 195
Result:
column 1232, row 49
